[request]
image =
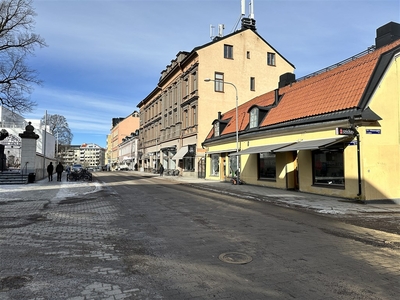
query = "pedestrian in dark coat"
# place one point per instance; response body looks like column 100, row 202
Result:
column 161, row 170
column 59, row 170
column 50, row 169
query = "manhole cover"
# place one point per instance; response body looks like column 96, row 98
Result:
column 235, row 258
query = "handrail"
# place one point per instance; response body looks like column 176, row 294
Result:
column 26, row 169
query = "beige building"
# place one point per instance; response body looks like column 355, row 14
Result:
column 121, row 128
column 175, row 116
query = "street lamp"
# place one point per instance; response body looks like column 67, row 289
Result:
column 237, row 124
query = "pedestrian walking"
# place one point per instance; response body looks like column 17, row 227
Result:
column 59, row 170
column 161, row 170
column 50, row 169
column 68, row 172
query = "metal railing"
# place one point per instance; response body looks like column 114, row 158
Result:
column 334, row 66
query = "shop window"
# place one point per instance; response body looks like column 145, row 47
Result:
column 214, row 165
column 328, row 167
column 189, row 159
column 267, row 166
column 233, row 165
column 188, row 163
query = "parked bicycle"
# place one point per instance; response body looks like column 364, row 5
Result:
column 81, row 174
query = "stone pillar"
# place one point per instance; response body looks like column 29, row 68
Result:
column 28, row 150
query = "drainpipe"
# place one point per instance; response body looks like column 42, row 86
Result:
column 358, row 164
column 357, row 135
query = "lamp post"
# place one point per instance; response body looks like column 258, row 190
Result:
column 237, row 124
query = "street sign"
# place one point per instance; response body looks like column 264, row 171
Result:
column 373, row 131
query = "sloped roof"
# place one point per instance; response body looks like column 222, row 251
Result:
column 243, row 116
column 331, row 92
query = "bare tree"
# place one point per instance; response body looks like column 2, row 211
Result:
column 17, row 42
column 59, row 128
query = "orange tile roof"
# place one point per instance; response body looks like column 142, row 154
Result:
column 336, row 90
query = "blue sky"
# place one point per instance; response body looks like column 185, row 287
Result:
column 105, row 56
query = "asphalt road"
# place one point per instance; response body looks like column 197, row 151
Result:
column 144, row 238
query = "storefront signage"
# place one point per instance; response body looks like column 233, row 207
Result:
column 373, row 131
column 345, row 131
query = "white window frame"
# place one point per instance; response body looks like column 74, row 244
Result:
column 254, row 113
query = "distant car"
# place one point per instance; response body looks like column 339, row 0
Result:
column 77, row 168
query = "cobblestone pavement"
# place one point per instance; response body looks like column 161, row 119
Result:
column 60, row 247
column 63, row 241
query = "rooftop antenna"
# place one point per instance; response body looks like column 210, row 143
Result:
column 243, row 12
column 221, row 28
column 212, row 31
column 243, row 6
column 251, row 6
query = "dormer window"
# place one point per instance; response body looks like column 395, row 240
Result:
column 254, row 117
column 216, row 129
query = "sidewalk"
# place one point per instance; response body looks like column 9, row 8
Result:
column 318, row 203
column 54, row 192
column 46, row 191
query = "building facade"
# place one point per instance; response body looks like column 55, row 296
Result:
column 335, row 132
column 121, row 129
column 175, row 116
column 88, row 155
column 128, row 154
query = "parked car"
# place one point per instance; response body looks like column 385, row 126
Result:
column 76, row 168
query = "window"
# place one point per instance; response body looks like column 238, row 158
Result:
column 233, row 165
column 186, row 87
column 194, row 114
column 189, row 158
column 216, row 129
column 328, row 167
column 219, row 82
column 248, row 54
column 252, row 84
column 194, row 82
column 228, row 51
column 186, row 118
column 254, row 118
column 214, row 165
column 267, row 166
column 271, row 59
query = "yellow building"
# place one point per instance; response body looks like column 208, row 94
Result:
column 335, row 132
column 175, row 116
